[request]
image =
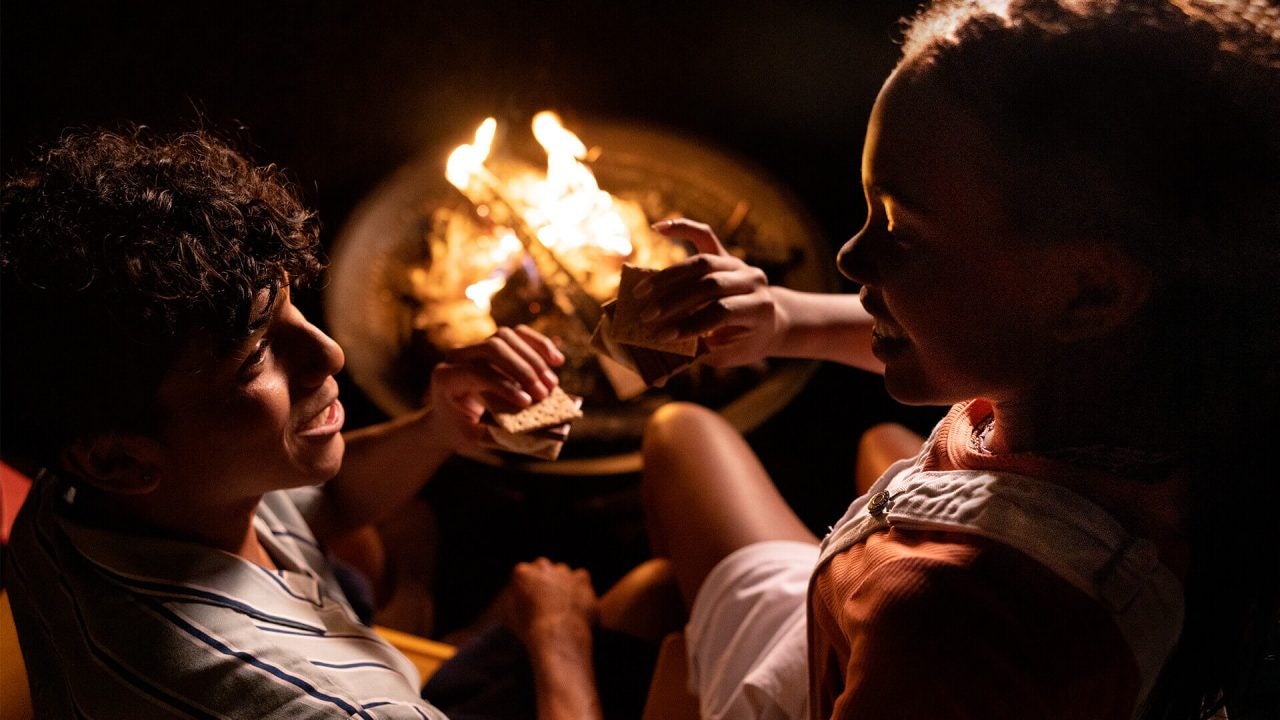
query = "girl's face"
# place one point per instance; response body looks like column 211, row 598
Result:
column 963, row 300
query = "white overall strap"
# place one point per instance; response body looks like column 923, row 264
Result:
column 1063, row 531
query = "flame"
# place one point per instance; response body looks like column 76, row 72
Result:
column 569, row 208
column 467, row 161
column 481, row 293
column 501, row 256
column 590, row 231
column 557, row 140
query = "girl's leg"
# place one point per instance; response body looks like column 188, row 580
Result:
column 644, row 604
column 881, row 446
column 706, row 494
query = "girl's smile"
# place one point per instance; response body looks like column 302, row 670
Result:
column 964, row 300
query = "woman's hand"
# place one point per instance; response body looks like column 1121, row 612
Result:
column 509, row 371
column 552, row 608
column 546, row 603
column 712, row 294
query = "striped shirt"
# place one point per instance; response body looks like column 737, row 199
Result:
column 128, row 626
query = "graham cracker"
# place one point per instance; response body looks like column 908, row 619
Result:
column 556, row 409
column 627, row 327
column 544, row 444
column 632, row 368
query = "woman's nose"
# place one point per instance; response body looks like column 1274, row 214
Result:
column 331, row 357
column 853, row 259
column 315, row 355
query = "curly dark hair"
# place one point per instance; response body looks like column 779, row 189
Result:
column 116, row 251
column 1155, row 125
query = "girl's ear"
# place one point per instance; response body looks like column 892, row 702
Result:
column 121, row 463
column 1107, row 289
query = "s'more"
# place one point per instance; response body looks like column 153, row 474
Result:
column 539, row 430
column 628, row 350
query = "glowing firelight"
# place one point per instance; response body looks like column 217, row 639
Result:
column 467, row 161
column 481, row 293
column 566, row 208
column 590, row 232
column 569, row 208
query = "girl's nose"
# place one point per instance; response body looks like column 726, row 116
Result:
column 854, row 261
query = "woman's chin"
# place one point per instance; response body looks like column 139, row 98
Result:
column 325, row 463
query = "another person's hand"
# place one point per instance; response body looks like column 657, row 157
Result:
column 546, row 603
column 712, row 294
column 507, row 372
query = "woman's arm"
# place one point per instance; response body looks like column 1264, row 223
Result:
column 386, row 464
column 824, row 326
column 552, row 609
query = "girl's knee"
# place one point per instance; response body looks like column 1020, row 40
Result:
column 678, row 423
column 675, row 433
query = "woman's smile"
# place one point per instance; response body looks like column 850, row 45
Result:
column 328, row 421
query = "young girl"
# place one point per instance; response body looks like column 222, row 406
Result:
column 1073, row 236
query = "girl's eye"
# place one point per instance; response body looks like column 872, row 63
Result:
column 896, row 232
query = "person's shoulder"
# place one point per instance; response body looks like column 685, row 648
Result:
column 936, row 567
column 954, row 589
column 294, row 508
column 982, row 621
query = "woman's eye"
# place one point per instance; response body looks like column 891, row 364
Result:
column 261, row 353
column 258, row 356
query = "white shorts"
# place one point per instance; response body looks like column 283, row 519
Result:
column 746, row 637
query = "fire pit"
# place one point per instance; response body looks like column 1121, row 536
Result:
column 425, row 264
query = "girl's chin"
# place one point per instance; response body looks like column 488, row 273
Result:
column 887, row 349
column 907, row 385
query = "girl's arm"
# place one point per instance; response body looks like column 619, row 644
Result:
column 744, row 319
column 824, row 326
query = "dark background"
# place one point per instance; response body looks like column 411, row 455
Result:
column 341, row 93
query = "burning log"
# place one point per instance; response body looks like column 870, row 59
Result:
column 484, row 190
column 569, row 230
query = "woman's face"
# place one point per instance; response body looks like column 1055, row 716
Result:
column 962, row 299
column 263, row 418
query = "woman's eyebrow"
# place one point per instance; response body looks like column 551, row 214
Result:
column 268, row 313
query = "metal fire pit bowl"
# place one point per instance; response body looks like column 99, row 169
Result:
column 370, row 309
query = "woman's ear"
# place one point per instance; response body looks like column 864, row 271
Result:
column 121, row 463
column 1107, row 289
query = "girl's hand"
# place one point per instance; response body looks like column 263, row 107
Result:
column 507, row 372
column 712, row 294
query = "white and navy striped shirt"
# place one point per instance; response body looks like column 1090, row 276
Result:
column 123, row 626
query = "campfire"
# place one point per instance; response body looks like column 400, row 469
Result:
column 552, row 235
column 533, row 227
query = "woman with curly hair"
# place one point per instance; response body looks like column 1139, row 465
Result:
column 182, row 419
